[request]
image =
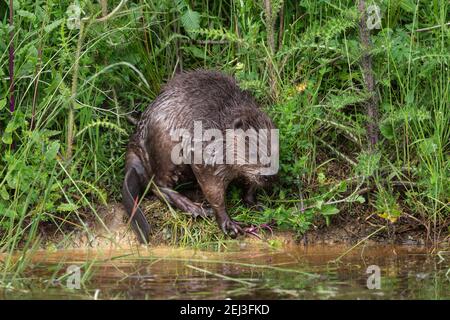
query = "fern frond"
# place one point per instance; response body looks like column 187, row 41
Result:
column 104, row 124
column 337, row 102
column 218, row 34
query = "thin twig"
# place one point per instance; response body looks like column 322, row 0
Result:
column 338, row 153
column 109, row 16
column 71, row 116
column 220, row 275
column 270, row 19
column 361, row 241
column 11, row 57
column 281, row 27
column 203, row 42
column 131, row 119
column 433, row 27
column 104, row 5
column 369, row 79
column 349, row 198
column 112, row 13
column 36, row 86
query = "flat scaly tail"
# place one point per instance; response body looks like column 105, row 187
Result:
column 131, row 192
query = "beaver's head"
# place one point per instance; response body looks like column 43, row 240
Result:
column 256, row 148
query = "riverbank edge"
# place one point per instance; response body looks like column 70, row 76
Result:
column 114, row 231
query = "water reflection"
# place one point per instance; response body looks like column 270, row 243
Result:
column 249, row 272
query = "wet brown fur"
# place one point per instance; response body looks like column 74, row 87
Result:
column 217, row 101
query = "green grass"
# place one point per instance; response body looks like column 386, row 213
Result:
column 86, row 84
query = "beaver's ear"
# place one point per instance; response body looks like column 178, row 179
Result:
column 239, row 123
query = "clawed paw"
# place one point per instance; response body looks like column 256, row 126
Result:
column 200, row 211
column 207, row 212
column 231, row 228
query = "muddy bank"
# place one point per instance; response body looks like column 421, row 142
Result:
column 171, row 227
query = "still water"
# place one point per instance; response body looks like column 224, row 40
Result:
column 242, row 271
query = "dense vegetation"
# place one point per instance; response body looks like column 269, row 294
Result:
column 82, row 69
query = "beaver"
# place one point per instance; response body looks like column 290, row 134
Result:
column 214, row 101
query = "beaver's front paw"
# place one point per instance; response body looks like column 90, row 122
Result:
column 231, row 228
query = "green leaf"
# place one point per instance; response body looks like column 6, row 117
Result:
column 368, row 163
column 407, row 5
column 190, row 20
column 48, row 28
column 7, row 138
column 67, row 207
column 196, row 52
column 428, row 146
column 26, row 14
column 319, row 204
column 329, row 210
column 342, row 186
column 52, row 151
column 4, row 193
column 7, row 212
column 2, row 103
column 10, row 213
column 387, row 130
column 321, row 178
